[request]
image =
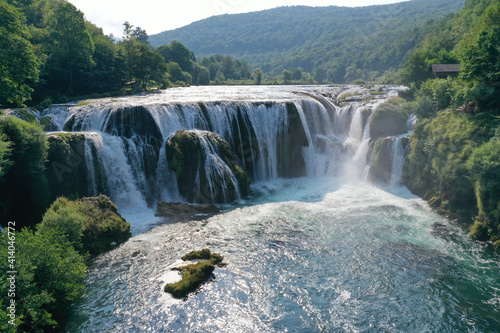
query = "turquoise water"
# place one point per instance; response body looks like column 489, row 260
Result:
column 305, row 255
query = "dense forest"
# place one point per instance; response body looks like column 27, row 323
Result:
column 49, row 53
column 346, row 43
column 454, row 159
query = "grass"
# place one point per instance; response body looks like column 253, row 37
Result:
column 193, row 275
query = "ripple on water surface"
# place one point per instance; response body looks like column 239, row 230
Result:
column 349, row 259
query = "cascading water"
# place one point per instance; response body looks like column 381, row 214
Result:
column 306, row 254
column 126, row 141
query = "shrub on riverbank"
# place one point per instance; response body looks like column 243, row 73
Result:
column 49, row 277
column 92, row 225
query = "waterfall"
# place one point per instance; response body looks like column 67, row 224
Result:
column 108, row 157
column 397, row 161
column 215, row 166
column 295, row 135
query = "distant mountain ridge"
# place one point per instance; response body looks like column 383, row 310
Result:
column 312, row 37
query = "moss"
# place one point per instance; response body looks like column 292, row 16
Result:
column 66, row 169
column 381, row 161
column 93, row 225
column 186, row 157
column 46, row 123
column 479, row 230
column 25, row 114
column 194, row 275
column 388, row 120
column 104, row 227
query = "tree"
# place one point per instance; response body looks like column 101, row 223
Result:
column 50, row 276
column 287, row 76
column 18, row 63
column 70, row 49
column 5, row 152
column 296, row 73
column 481, row 58
column 109, row 70
column 23, row 189
column 131, row 47
column 257, row 74
column 319, row 74
column 150, row 67
column 175, row 71
column 178, row 53
column 140, row 35
column 200, row 75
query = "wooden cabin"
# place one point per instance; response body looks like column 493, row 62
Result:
column 445, row 70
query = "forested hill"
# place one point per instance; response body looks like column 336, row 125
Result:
column 373, row 38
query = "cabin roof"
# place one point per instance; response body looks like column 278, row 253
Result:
column 446, row 68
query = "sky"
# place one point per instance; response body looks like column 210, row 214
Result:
column 159, row 15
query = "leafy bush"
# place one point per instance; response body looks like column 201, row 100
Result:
column 92, row 225
column 437, row 164
column 23, row 189
column 49, row 278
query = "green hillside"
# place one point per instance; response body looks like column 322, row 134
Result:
column 373, row 38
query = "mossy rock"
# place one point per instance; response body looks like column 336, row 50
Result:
column 93, row 224
column 380, row 160
column 388, row 120
column 105, row 227
column 291, row 163
column 66, row 168
column 188, row 153
column 181, row 210
column 479, row 231
column 194, row 275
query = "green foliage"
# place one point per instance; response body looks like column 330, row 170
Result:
column 484, row 168
column 373, row 38
column 388, row 119
column 381, row 161
column 437, row 164
column 91, row 225
column 257, row 75
column 480, row 55
column 63, row 217
column 194, row 275
column 453, row 155
column 70, row 49
column 178, row 53
column 5, row 152
column 287, row 76
column 226, row 67
column 18, row 62
column 23, row 188
column 49, row 278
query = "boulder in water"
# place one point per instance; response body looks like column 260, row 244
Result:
column 193, row 275
column 181, row 210
column 66, row 169
column 207, row 171
column 388, row 120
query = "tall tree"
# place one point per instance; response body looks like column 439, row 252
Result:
column 70, row 49
column 150, row 67
column 257, row 74
column 131, row 47
column 178, row 53
column 18, row 63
